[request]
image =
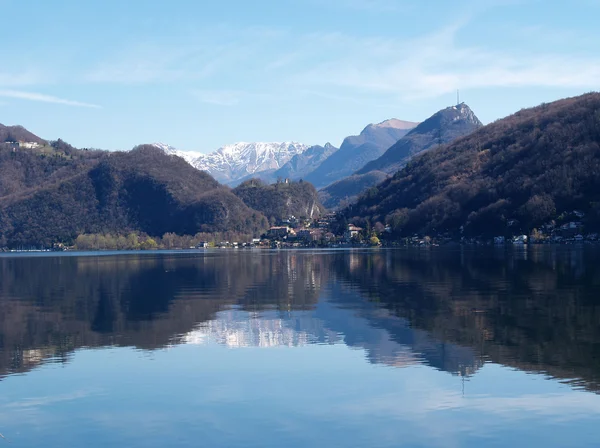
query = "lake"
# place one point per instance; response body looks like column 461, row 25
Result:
column 414, row 347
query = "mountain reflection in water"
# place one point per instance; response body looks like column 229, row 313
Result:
column 533, row 309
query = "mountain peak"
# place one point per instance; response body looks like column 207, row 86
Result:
column 457, row 116
column 460, row 112
column 442, row 127
column 233, row 162
column 395, row 124
column 188, row 156
column 392, row 124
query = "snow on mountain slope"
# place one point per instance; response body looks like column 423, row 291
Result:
column 231, row 163
column 188, row 156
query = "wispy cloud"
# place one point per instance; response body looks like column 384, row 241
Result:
column 190, row 58
column 230, row 97
column 337, row 65
column 23, row 78
column 437, row 64
column 33, row 96
column 367, row 5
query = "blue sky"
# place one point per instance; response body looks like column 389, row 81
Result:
column 200, row 74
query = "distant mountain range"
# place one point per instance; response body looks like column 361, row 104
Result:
column 358, row 150
column 299, row 166
column 231, row 164
column 442, row 127
column 320, row 165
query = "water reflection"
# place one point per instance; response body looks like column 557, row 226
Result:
column 534, row 309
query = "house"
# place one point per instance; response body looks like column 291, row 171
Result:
column 330, row 218
column 28, row 145
column 352, row 232
column 278, row 231
column 499, row 240
column 570, row 229
column 290, row 221
column 521, row 239
column 202, row 245
column 310, row 234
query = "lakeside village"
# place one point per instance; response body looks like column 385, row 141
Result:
column 330, row 231
column 292, row 232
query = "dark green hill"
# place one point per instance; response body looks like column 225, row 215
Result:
column 18, row 134
column 281, row 200
column 529, row 167
column 24, row 169
column 142, row 190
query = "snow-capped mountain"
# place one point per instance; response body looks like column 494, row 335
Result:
column 232, row 163
column 188, row 156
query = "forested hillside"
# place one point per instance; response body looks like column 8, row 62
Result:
column 345, row 191
column 281, row 200
column 142, row 190
column 528, row 168
column 18, row 134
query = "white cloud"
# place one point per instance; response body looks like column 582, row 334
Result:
column 367, row 5
column 24, row 78
column 435, row 65
column 230, row 97
column 149, row 62
column 191, row 57
column 277, row 62
column 32, row 96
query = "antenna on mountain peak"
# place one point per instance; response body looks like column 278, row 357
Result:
column 457, row 97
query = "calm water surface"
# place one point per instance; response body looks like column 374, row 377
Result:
column 423, row 348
